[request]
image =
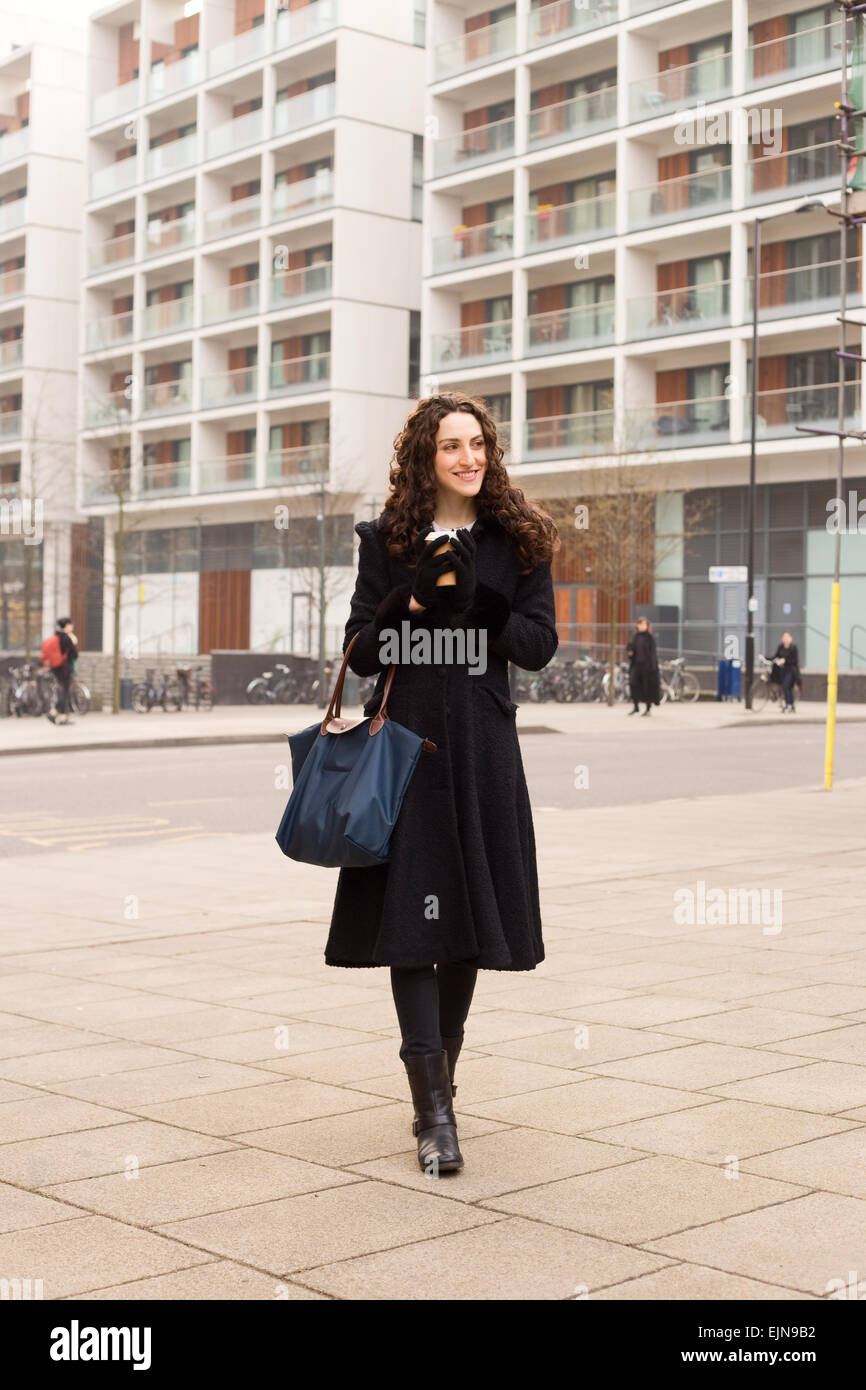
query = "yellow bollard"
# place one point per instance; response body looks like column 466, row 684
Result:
column 832, row 687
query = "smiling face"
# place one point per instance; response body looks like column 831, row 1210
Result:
column 460, row 459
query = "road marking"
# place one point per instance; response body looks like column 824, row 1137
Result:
column 191, row 801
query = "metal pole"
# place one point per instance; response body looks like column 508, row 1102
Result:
column 750, row 559
column 322, row 697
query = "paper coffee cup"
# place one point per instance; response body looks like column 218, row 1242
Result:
column 443, row 537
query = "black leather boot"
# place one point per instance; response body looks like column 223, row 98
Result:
column 452, row 1048
column 434, row 1125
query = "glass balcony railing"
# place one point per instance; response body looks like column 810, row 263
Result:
column 10, row 424
column 569, row 436
column 164, row 397
column 569, row 330
column 295, row 26
column 311, row 373
column 558, row 224
column 115, row 102
column 230, row 302
column 572, row 120
column 775, row 176
column 487, row 45
column 105, row 487
column 11, row 283
column 243, row 48
column 808, row 289
column 479, row 145
column 230, row 388
column 692, row 195
column 11, row 353
column 559, row 20
column 175, row 154
column 307, row 461
column 794, row 55
column 309, row 282
column 686, row 310
column 113, row 408
column 709, row 79
column 233, row 217
column 293, row 199
column 14, row 145
column 168, row 317
column 108, row 332
column 235, row 134
column 161, row 237
column 113, row 178
column 228, row 474
column 483, row 342
column 166, row 78
column 115, row 251
column 644, row 6
column 779, row 412
column 471, row 245
column 164, row 479
column 679, row 424
column 13, row 214
column 307, row 108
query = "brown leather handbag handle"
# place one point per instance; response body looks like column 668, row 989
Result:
column 336, row 704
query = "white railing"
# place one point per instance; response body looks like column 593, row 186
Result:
column 233, row 217
column 230, row 301
column 174, row 154
column 300, row 373
column 308, row 282
column 234, row 134
column 294, row 26
column 307, row 108
column 160, row 397
column 11, row 353
column 167, row 316
column 11, row 283
column 115, row 102
column 14, row 145
column 304, row 461
column 112, row 178
column 226, row 474
column 243, row 48
column 13, row 214
column 477, row 46
column 477, row 145
column 172, row 77
column 108, row 331
column 115, row 251
column 292, row 199
column 168, row 236
column 227, row 388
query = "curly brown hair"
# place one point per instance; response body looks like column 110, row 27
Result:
column 411, row 499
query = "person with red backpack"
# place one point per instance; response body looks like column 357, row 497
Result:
column 59, row 653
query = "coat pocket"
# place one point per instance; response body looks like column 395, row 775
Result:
column 502, row 702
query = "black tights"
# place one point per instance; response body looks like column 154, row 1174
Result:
column 432, row 1004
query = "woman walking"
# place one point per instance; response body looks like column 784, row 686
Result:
column 460, row 892
column 644, row 681
column 786, row 670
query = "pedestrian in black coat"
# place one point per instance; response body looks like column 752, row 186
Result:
column 460, row 892
column 643, row 675
column 786, row 670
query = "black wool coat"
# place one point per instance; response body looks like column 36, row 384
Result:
column 644, row 681
column 462, row 882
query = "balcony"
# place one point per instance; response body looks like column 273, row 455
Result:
column 293, row 199
column 472, row 347
column 794, row 55
column 11, row 353
column 164, row 480
column 228, row 474
column 686, row 310
column 243, row 48
column 166, row 78
column 173, row 155
column 296, row 26
column 234, row 135
column 550, row 23
column 10, row 424
column 14, row 146
column 307, row 108
column 691, row 195
column 106, row 487
column 107, row 332
column 572, row 120
column 774, row 176
column 296, row 286
column 709, row 79
column 679, row 424
column 229, row 388
column 167, row 397
column 233, row 217
column 161, row 237
column 118, row 250
column 13, row 214
column 479, row 145
column 170, row 316
column 471, row 50
column 296, row 374
column 11, row 283
column 115, row 102
column 569, row 330
column 112, row 408
column 307, row 462
column 808, row 289
column 473, row 245
column 114, row 178
column 233, row 301
column 569, row 436
column 780, row 412
column 559, row 225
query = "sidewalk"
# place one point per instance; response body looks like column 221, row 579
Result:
column 192, row 1105
column 247, row 724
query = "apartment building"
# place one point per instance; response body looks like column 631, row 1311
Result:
column 43, row 544
column 591, row 184
column 251, row 305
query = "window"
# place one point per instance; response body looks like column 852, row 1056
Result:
column 417, row 177
column 414, row 353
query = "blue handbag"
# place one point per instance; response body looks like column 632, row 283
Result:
column 349, row 780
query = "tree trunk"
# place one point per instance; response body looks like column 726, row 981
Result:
column 28, row 598
column 118, row 597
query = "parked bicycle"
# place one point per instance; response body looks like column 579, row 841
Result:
column 678, row 684
column 765, row 690
column 197, row 690
column 164, row 691
column 276, row 687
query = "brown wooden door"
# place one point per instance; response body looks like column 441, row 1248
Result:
column 224, row 610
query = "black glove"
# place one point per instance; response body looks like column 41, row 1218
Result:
column 459, row 596
column 428, row 568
